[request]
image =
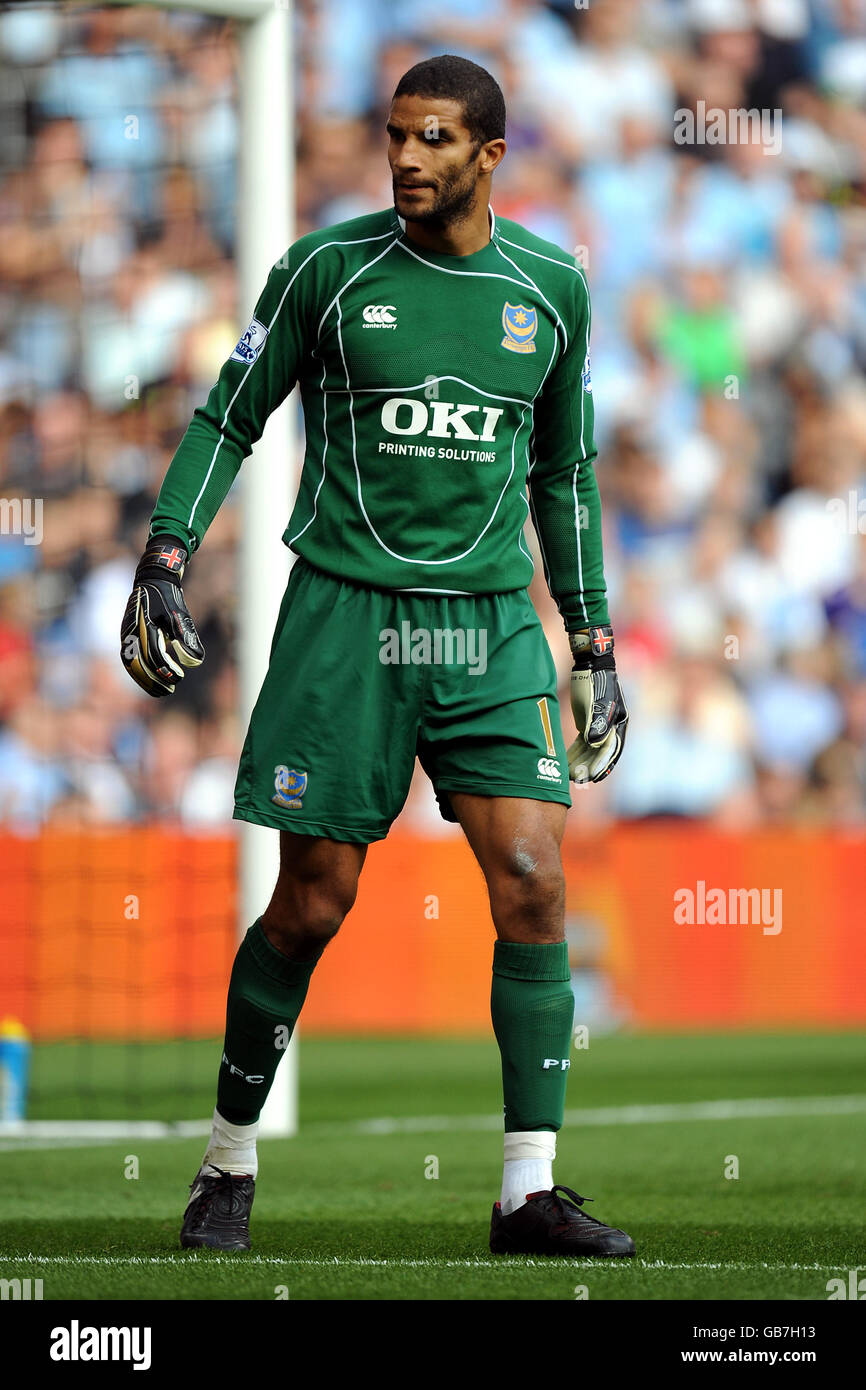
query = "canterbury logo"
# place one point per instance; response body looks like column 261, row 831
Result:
column 380, row 316
column 549, row 767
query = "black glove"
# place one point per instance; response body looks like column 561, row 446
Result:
column 599, row 710
column 158, row 640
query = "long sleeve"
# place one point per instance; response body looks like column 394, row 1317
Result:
column 253, row 382
column 563, row 492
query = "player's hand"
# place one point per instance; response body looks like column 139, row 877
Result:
column 600, row 714
column 158, row 640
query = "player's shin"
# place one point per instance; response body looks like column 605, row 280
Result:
column 532, row 1007
column 266, row 995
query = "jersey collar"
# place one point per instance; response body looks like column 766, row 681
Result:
column 491, row 221
column 455, row 262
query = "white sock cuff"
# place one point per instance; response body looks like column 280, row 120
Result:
column 537, row 1144
column 237, row 1136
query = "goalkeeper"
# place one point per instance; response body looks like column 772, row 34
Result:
column 442, row 356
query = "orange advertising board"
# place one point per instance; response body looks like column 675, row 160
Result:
column 132, row 933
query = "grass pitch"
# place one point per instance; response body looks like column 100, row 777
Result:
column 352, row 1209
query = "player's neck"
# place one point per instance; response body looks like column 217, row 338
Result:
column 459, row 238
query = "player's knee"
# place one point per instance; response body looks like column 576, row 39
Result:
column 534, row 873
column 528, row 892
column 303, row 917
column 323, row 907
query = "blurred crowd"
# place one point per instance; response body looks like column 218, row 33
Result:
column 729, row 346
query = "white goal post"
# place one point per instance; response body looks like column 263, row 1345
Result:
column 268, row 481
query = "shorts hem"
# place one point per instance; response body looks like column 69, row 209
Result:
column 353, row 834
column 529, row 791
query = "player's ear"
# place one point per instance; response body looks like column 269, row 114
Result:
column 492, row 154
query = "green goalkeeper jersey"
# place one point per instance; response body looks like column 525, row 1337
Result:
column 444, row 398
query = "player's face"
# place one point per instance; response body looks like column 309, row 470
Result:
column 434, row 164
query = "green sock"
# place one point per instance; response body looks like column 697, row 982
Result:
column 532, row 1007
column 266, row 995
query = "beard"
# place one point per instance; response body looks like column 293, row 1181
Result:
column 454, row 198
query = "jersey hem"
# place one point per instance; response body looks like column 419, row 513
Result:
column 403, row 589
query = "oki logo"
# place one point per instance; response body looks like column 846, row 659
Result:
column 439, row 420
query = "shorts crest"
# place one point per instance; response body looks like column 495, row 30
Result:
column 290, row 786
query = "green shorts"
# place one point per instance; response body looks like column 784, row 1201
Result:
column 362, row 680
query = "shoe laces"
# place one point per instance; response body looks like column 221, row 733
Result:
column 221, row 1185
column 573, row 1209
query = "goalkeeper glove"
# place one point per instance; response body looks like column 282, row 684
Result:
column 599, row 710
column 158, row 640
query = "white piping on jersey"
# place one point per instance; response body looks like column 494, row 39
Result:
column 521, row 546
column 428, row 381
column 577, row 534
column 545, row 565
column 434, row 380
column 491, row 220
column 484, row 275
column 404, row 559
column 566, row 265
column 478, row 274
column 530, row 451
column 219, row 443
column 491, row 395
column 541, row 295
column 544, row 560
column 409, row 559
column 323, row 392
column 574, row 481
column 374, row 390
column 336, row 300
column 578, row 546
column 540, row 389
column 356, row 242
column 475, row 274
column 298, row 534
column 353, row 278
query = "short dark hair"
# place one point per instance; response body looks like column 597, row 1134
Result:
column 451, row 77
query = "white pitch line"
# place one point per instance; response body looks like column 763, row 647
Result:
column 758, row 1108
column 103, row 1129
column 52, row 1134
column 361, row 1262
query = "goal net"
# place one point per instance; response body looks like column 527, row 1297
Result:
column 130, row 145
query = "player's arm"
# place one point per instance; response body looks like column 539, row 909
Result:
column 159, row 642
column 566, row 512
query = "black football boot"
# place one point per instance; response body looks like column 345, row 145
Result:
column 549, row 1225
column 218, row 1211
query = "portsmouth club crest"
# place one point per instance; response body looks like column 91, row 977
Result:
column 521, row 326
column 290, row 786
